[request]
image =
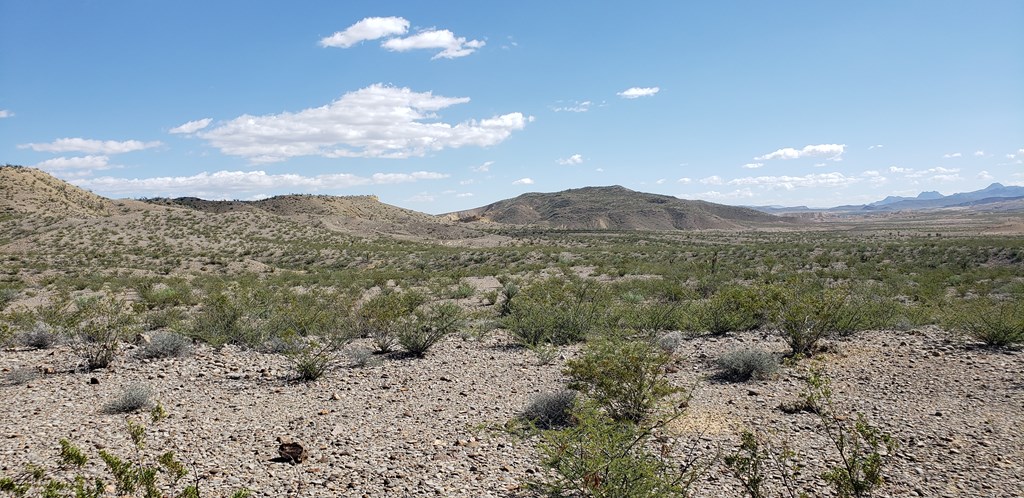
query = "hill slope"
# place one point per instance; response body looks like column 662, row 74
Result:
column 29, row 191
column 615, row 208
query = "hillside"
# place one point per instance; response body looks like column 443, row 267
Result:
column 615, row 208
column 29, row 191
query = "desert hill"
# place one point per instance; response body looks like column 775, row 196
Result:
column 27, row 191
column 615, row 208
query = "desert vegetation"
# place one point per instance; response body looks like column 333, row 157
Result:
column 619, row 350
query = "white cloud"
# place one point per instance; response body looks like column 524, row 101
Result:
column 714, row 195
column 660, row 181
column 68, row 163
column 444, row 39
column 834, row 152
column 574, row 106
column 753, row 165
column 712, row 180
column 951, row 155
column 91, row 146
column 875, row 177
column 945, row 178
column 464, row 194
column 376, row 121
column 685, row 181
column 938, row 170
column 228, row 184
column 898, row 169
column 984, row 175
column 979, row 153
column 523, row 181
column 467, row 182
column 637, row 92
column 873, row 147
column 573, row 159
column 834, row 179
column 191, row 126
column 4, row 113
column 483, row 168
column 370, row 28
column 599, row 170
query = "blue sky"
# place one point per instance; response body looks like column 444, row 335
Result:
column 444, row 106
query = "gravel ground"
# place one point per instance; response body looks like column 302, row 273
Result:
column 432, row 426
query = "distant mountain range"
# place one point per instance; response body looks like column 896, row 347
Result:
column 995, row 197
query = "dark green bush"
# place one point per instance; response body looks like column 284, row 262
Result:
column 559, row 311
column 418, row 332
column 995, row 322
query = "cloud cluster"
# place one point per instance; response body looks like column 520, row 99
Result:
column 392, row 28
column 4, row 113
column 571, row 160
column 833, row 152
column 753, row 165
column 952, row 155
column 191, row 126
column 834, row 179
column 936, row 174
column 74, row 163
column 376, row 121
column 88, row 146
column 637, row 92
column 523, row 181
column 229, row 184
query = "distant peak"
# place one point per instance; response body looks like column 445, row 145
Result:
column 995, row 186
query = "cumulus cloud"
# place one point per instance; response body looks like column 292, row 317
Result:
column 660, row 181
column 451, row 46
column 574, row 106
column 73, row 163
column 753, row 165
column 637, row 92
column 370, row 28
column 985, row 175
column 833, row 152
column 834, row 179
column 523, row 181
column 979, row 153
column 898, row 169
column 90, row 146
column 573, row 159
column 229, row 184
column 4, row 113
column 951, row 155
column 376, row 121
column 191, row 126
column 712, row 180
column 685, row 181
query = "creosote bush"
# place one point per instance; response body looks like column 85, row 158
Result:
column 625, row 377
column 741, row 365
column 559, row 311
column 425, row 327
column 997, row 323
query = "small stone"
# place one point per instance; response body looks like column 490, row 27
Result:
column 94, row 381
column 291, row 449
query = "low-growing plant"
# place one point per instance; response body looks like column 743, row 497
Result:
column 360, row 357
column 805, row 314
column 39, row 336
column 741, row 365
column 104, row 322
column 381, row 316
column 19, row 376
column 669, row 342
column 758, row 462
column 166, row 345
column 559, row 311
column 551, row 410
column 625, row 377
column 132, row 398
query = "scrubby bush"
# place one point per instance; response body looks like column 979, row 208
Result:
column 166, row 345
column 103, row 323
column 418, row 332
column 132, row 398
column 741, row 365
column 312, row 359
column 559, row 311
column 550, row 410
column 669, row 342
column 805, row 314
column 39, row 336
column 20, row 376
column 381, row 317
column 601, row 457
column 625, row 377
column 995, row 322
column 731, row 309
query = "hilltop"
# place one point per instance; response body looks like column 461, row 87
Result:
column 31, row 191
column 616, row 208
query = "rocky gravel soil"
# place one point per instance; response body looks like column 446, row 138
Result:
column 433, row 426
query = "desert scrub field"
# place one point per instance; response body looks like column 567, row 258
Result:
column 612, row 360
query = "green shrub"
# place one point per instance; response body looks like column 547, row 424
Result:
column 807, row 313
column 417, row 333
column 103, row 323
column 741, row 365
column 625, row 377
column 758, row 462
column 731, row 309
column 40, row 336
column 381, row 317
column 995, row 322
column 559, row 311
column 312, row 359
column 602, row 457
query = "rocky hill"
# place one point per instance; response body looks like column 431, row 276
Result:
column 616, row 208
column 29, row 191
